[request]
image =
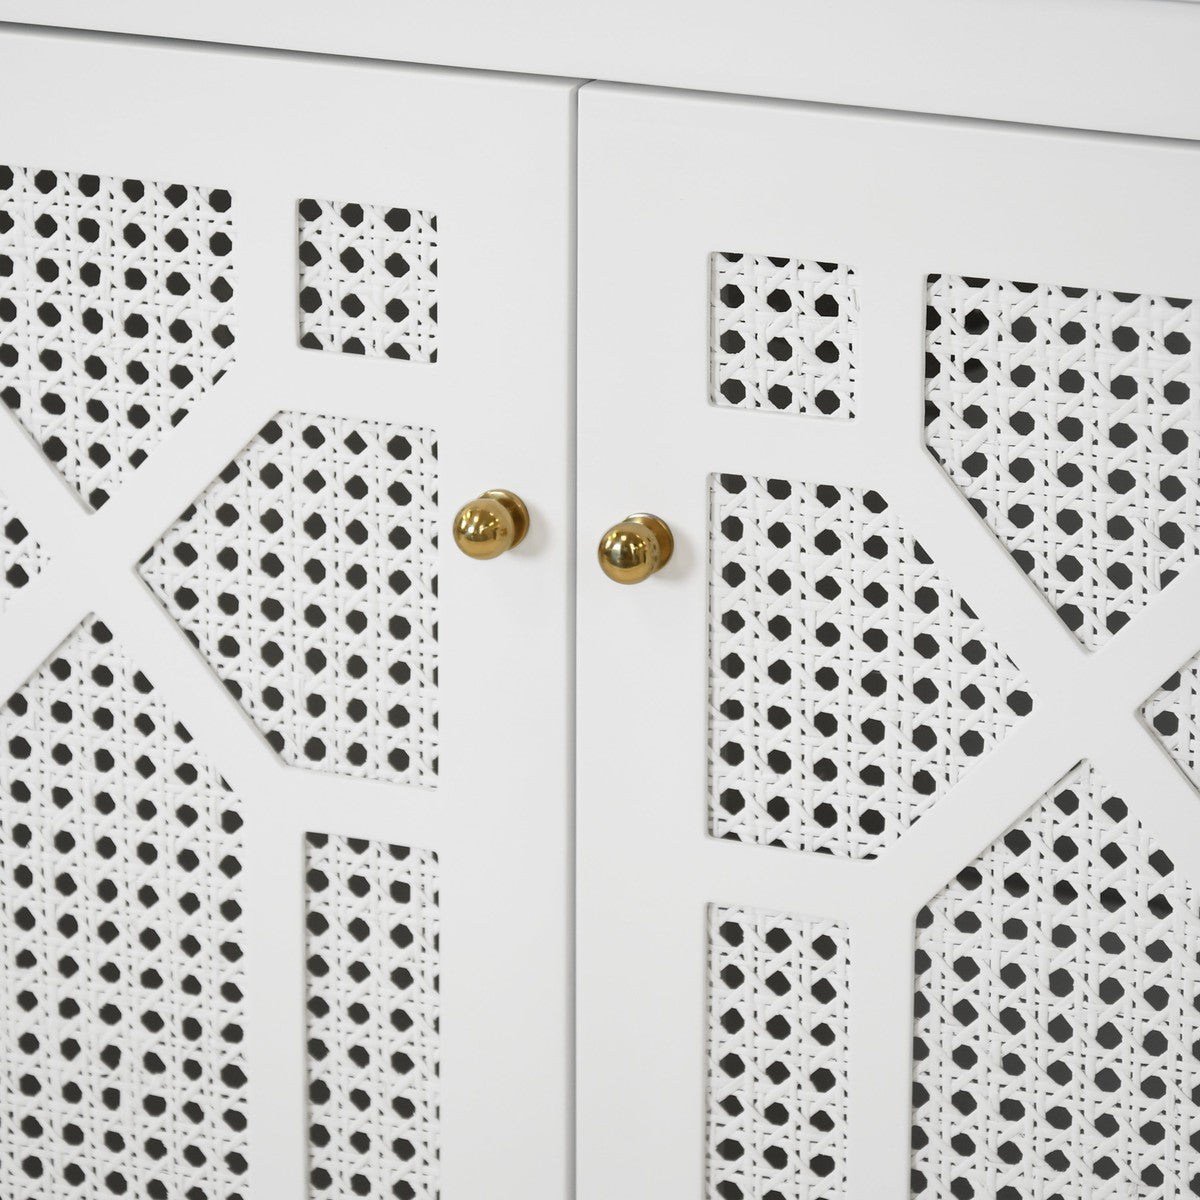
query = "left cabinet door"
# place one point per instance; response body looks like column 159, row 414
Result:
column 284, row 777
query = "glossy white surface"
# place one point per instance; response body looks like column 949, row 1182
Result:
column 1125, row 65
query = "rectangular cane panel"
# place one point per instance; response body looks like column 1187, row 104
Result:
column 777, row 1045
column 368, row 280
column 373, row 1020
column 782, row 335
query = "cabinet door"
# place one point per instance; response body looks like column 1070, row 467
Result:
column 285, row 776
column 920, row 401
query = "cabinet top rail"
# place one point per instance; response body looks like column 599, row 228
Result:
column 1117, row 65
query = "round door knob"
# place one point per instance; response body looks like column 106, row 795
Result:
column 490, row 524
column 633, row 549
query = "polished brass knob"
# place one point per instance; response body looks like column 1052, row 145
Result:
column 633, row 549
column 490, row 524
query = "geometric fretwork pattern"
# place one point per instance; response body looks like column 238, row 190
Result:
column 777, row 1043
column 306, row 575
column 368, row 280
column 21, row 558
column 851, row 687
column 1057, row 1014
column 122, row 1069
column 782, row 335
column 1070, row 418
column 1173, row 713
column 372, row 919
column 116, row 314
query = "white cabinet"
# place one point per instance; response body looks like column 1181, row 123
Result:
column 850, row 855
column 842, row 725
column 349, row 974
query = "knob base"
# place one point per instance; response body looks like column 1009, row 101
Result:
column 516, row 509
column 662, row 535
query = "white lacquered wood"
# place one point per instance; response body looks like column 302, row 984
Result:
column 664, row 181
column 492, row 157
column 1125, row 65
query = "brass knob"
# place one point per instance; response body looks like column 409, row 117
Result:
column 633, row 549
column 490, row 524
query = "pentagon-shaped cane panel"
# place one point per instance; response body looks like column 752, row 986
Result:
column 21, row 558
column 778, row 1034
column 116, row 314
column 1173, row 713
column 851, row 686
column 373, row 1019
column 121, row 977
column 1070, row 418
column 1057, row 1018
column 306, row 574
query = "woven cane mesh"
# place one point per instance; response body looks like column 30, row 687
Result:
column 306, row 575
column 21, row 557
column 850, row 686
column 123, row 1070
column 116, row 314
column 777, row 1043
column 368, row 280
column 782, row 335
column 1057, row 1014
column 1070, row 418
column 1173, row 712
column 373, row 1015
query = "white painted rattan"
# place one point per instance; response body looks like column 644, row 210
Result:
column 1057, row 1013
column 373, row 1020
column 21, row 557
column 1173, row 713
column 778, row 1031
column 782, row 336
column 368, row 279
column 851, row 685
column 1070, row 418
column 120, row 912
column 306, row 575
column 116, row 314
